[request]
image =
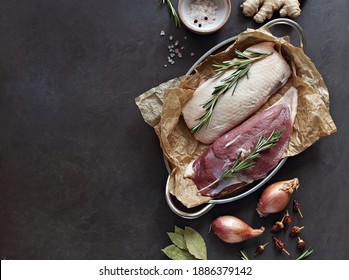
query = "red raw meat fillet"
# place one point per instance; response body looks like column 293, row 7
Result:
column 221, row 155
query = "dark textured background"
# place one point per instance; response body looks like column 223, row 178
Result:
column 82, row 176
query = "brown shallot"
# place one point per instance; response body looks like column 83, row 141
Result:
column 276, row 197
column 233, row 230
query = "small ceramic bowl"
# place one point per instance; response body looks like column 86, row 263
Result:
column 204, row 19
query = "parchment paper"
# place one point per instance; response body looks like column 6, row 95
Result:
column 161, row 108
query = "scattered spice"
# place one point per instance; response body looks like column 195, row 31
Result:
column 260, row 249
column 280, row 245
column 175, row 49
column 287, row 220
column 295, row 231
column 279, row 225
column 300, row 244
column 297, row 207
column 284, row 223
column 203, row 12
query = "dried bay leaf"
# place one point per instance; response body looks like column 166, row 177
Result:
column 177, row 239
column 195, row 243
column 179, row 230
column 175, row 253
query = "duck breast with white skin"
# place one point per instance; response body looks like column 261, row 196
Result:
column 222, row 154
column 264, row 78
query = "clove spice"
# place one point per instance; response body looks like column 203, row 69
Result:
column 300, row 244
column 297, row 207
column 287, row 220
column 295, row 231
column 280, row 245
column 279, row 225
column 260, row 249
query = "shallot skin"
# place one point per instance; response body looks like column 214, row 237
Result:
column 276, row 197
column 233, row 230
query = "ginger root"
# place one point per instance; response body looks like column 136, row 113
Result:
column 264, row 9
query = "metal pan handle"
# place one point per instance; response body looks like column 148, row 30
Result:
column 185, row 215
column 293, row 24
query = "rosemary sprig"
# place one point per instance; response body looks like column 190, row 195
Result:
column 248, row 162
column 225, row 65
column 243, row 65
column 243, row 255
column 306, row 253
column 172, row 11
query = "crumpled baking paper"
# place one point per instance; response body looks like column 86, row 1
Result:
column 161, row 108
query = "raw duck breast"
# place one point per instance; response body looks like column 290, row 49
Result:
column 265, row 77
column 221, row 155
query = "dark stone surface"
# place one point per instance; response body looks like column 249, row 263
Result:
column 82, row 175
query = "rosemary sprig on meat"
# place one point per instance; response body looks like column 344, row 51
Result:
column 243, row 65
column 248, row 162
column 244, row 60
column 172, row 11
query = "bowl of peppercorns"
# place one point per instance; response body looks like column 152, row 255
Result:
column 204, row 16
